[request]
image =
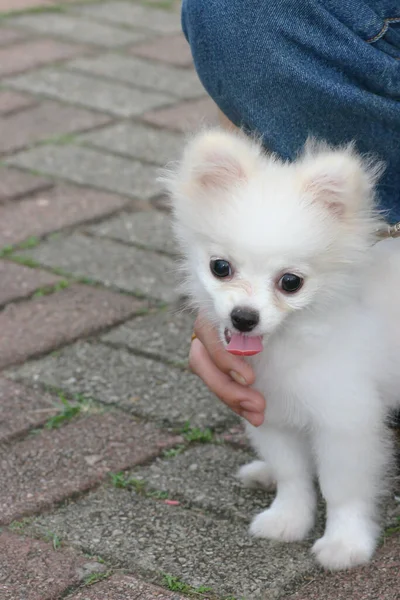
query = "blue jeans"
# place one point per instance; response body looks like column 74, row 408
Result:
column 292, row 68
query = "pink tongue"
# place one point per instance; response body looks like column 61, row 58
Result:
column 245, row 345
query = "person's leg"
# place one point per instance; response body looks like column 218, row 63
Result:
column 288, row 69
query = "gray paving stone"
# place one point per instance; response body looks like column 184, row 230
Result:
column 91, row 167
column 78, row 29
column 182, row 83
column 77, row 88
column 149, row 537
column 167, row 335
column 209, row 481
column 110, row 263
column 151, row 230
column 138, row 141
column 145, row 387
column 128, row 13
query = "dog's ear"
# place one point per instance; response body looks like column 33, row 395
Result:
column 218, row 160
column 340, row 179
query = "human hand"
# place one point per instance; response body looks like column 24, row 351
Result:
column 226, row 375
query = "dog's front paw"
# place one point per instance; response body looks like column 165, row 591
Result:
column 343, row 551
column 284, row 525
column 256, row 474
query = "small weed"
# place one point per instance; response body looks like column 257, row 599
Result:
column 32, row 11
column 51, row 289
column 122, row 481
column 174, row 584
column 95, row 577
column 172, row 452
column 19, row 526
column 158, row 495
column 392, row 530
column 195, row 434
column 68, row 411
column 25, row 260
column 30, row 242
column 59, row 140
column 54, row 539
column 6, row 251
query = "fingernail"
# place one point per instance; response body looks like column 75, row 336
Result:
column 252, row 418
column 238, row 377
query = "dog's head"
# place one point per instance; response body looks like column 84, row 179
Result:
column 261, row 238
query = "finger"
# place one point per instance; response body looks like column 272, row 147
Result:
column 230, row 364
column 244, row 401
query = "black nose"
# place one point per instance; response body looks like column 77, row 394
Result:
column 244, row 319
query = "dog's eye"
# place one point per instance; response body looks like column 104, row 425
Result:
column 290, row 283
column 220, row 268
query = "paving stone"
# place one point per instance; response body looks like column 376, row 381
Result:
column 128, row 13
column 19, row 282
column 51, row 210
column 91, row 167
column 21, row 409
column 13, row 5
column 110, row 263
column 149, row 537
column 209, row 482
column 77, row 29
column 185, row 117
column 378, row 581
column 167, row 335
column 33, row 570
column 46, row 120
column 142, row 73
column 145, row 387
column 124, row 587
column 40, row 325
column 24, row 56
column 11, row 101
column 138, row 141
column 10, row 36
column 15, row 184
column 77, row 88
column 44, row 469
column 151, row 230
column 170, row 49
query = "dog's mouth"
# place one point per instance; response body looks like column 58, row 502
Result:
column 243, row 345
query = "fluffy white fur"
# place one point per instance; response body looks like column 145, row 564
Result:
column 330, row 369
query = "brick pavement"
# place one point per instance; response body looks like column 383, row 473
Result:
column 116, row 464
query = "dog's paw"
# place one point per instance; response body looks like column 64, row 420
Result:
column 336, row 552
column 283, row 525
column 256, row 474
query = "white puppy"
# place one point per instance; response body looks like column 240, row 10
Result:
column 282, row 259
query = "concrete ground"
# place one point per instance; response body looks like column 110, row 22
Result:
column 117, row 466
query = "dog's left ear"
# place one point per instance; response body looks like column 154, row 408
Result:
column 340, row 179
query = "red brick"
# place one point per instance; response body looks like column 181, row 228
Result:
column 56, row 463
column 10, row 36
column 377, row 581
column 15, row 184
column 170, row 49
column 186, row 117
column 46, row 120
column 124, row 587
column 54, row 209
column 11, row 102
column 11, row 5
column 21, row 57
column 33, row 570
column 19, row 282
column 21, row 409
column 40, row 325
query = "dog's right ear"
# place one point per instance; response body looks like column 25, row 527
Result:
column 214, row 161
